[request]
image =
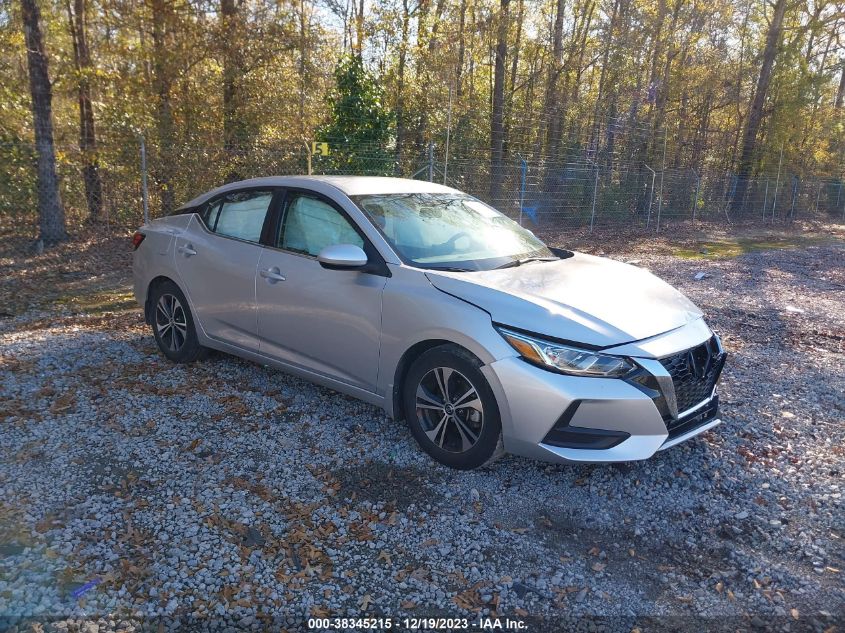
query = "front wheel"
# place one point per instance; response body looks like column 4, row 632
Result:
column 173, row 324
column 451, row 410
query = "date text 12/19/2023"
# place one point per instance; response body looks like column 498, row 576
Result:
column 417, row 624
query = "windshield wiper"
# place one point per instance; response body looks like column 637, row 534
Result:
column 451, row 269
column 525, row 260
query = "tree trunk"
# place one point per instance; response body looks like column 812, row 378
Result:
column 303, row 67
column 611, row 29
column 755, row 115
column 422, row 75
column 233, row 129
column 77, row 22
column 51, row 213
column 662, row 92
column 551, row 102
column 511, row 90
column 580, row 43
column 359, row 30
column 433, row 40
column 729, row 162
column 517, row 46
column 162, row 83
column 497, row 123
column 840, row 92
column 400, row 85
column 461, row 48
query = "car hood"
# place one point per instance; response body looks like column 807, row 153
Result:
column 585, row 299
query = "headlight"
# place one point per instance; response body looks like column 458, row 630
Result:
column 566, row 359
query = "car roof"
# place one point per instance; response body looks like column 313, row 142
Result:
column 350, row 185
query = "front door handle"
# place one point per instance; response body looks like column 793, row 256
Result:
column 187, row 250
column 272, row 275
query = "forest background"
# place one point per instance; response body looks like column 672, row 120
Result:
column 559, row 111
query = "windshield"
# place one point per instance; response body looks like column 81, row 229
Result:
column 449, row 231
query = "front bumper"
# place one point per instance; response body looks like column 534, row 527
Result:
column 560, row 418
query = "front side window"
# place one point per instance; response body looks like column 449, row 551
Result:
column 449, row 230
column 240, row 214
column 311, row 224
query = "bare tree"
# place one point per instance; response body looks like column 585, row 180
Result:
column 552, row 102
column 400, row 84
column 50, row 210
column 497, row 120
column 461, row 48
column 78, row 27
column 232, row 73
column 755, row 115
column 162, row 87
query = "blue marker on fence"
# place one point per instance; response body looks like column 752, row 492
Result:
column 77, row 593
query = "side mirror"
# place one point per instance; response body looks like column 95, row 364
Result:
column 342, row 257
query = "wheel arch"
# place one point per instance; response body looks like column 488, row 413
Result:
column 154, row 282
column 407, row 359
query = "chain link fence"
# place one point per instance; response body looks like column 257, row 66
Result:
column 136, row 180
column 584, row 195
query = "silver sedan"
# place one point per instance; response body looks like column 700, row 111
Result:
column 425, row 301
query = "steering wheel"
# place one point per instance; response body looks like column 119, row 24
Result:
column 451, row 241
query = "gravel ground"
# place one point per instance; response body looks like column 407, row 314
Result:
column 134, row 491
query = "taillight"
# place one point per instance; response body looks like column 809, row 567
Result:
column 137, row 239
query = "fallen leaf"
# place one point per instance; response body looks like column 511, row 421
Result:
column 63, row 403
column 365, row 602
column 383, row 555
column 408, row 604
column 794, row 613
column 598, row 566
column 468, row 599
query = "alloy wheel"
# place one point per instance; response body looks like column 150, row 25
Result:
column 449, row 409
column 171, row 322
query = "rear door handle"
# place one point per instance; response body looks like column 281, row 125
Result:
column 187, row 250
column 272, row 275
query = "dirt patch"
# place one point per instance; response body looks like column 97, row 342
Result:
column 377, row 481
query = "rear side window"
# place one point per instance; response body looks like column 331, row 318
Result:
column 240, row 214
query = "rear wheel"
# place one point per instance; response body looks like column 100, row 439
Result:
column 451, row 409
column 173, row 324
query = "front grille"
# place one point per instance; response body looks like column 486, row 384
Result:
column 693, row 420
column 694, row 373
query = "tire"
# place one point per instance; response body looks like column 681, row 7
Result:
column 465, row 432
column 173, row 324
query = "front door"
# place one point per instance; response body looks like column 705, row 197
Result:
column 326, row 321
column 217, row 258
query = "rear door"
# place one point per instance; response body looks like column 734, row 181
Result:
column 217, row 258
column 326, row 321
